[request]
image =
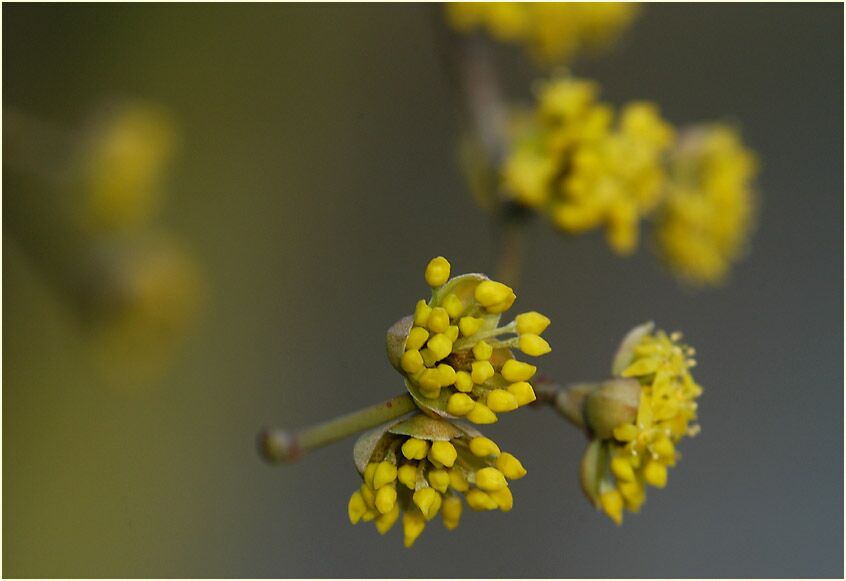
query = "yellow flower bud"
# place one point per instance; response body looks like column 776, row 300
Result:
column 438, row 320
column 481, row 414
column 655, row 474
column 503, row 498
column 447, row 374
column 510, row 466
column 440, row 346
column 514, row 371
column 490, row 293
column 622, row 468
column 452, row 333
column 480, row 500
column 386, row 498
column 469, row 325
column 407, row 474
column 451, row 512
column 460, row 404
column 430, row 380
column 416, row 338
column 503, row 306
column 356, row 507
column 458, row 481
column 625, row 432
column 463, row 381
column 386, row 472
column 386, row 521
column 415, row 449
column 411, row 361
column 534, row 345
column 644, row 366
column 429, row 359
column 369, row 515
column 369, row 471
column 482, row 447
column 612, row 504
column 481, row 371
column 522, row 392
column 664, row 448
column 532, row 322
column 632, row 492
column 439, row 480
column 413, row 524
column 500, row 400
column 428, row 500
column 453, row 305
column 421, row 313
column 482, row 351
column 489, row 479
column 437, row 272
column 369, row 496
column 443, row 452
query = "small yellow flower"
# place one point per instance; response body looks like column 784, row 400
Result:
column 616, row 469
column 552, row 32
column 456, row 357
column 706, row 220
column 421, row 467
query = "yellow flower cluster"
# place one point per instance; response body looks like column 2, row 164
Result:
column 641, row 451
column 425, row 474
column 553, row 32
column 455, row 357
column 572, row 161
column 703, row 227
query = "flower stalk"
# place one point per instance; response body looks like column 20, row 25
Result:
column 278, row 445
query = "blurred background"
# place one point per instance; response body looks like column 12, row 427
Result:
column 304, row 173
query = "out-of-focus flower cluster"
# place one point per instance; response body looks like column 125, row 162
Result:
column 422, row 467
column 100, row 190
column 703, row 226
column 576, row 161
column 637, row 420
column 456, row 358
column 553, row 32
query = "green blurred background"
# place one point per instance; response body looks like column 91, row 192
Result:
column 315, row 177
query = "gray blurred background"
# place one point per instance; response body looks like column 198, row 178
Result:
column 316, row 177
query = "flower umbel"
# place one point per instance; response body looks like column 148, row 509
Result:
column 553, row 32
column 705, row 222
column 421, row 467
column 456, row 358
column 573, row 162
column 617, row 467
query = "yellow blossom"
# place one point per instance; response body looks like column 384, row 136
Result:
column 705, row 222
column 616, row 470
column 421, row 467
column 456, row 355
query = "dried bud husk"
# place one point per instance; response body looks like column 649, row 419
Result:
column 614, row 403
column 419, row 426
column 593, row 468
column 598, row 408
column 570, row 402
column 625, row 352
column 395, row 340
